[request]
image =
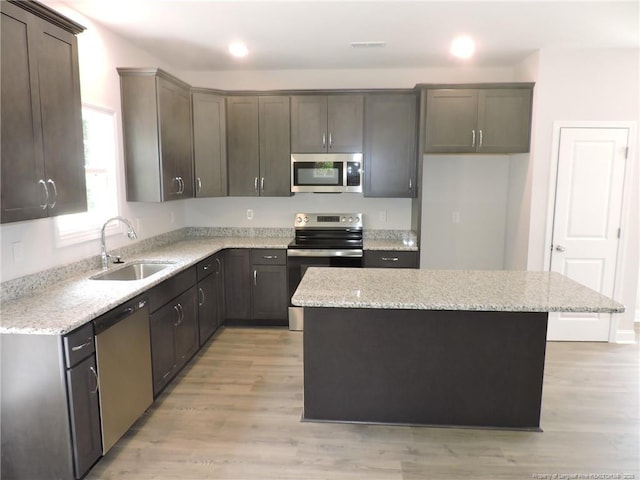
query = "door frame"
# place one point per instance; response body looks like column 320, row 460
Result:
column 625, row 214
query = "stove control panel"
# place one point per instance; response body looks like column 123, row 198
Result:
column 328, row 220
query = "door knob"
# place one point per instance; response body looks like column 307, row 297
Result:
column 560, row 248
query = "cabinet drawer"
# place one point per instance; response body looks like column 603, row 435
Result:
column 268, row 256
column 78, row 345
column 171, row 288
column 390, row 259
column 208, row 266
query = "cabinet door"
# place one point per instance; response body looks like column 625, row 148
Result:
column 22, row 163
column 60, row 107
column 345, row 123
column 163, row 346
column 309, row 124
column 451, row 117
column 84, row 408
column 209, row 145
column 174, row 110
column 275, row 150
column 504, row 120
column 390, row 153
column 186, row 332
column 219, row 289
column 237, row 279
column 207, row 308
column 243, row 146
column 269, row 292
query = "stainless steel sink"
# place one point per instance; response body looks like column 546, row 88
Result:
column 132, row 271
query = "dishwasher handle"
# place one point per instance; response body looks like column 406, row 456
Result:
column 118, row 314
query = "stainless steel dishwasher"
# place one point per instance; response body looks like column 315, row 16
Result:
column 123, row 354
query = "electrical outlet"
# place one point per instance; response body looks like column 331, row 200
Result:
column 382, row 216
column 249, row 214
column 455, row 217
column 18, row 253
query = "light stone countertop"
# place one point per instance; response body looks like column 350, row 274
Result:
column 73, row 302
column 507, row 291
column 389, row 244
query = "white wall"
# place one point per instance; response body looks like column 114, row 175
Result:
column 360, row 78
column 585, row 85
column 100, row 52
column 278, row 212
column 464, row 211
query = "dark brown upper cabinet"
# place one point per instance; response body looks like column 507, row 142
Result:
column 42, row 147
column 209, row 144
column 494, row 119
column 390, row 145
column 327, row 123
column 156, row 122
column 258, row 143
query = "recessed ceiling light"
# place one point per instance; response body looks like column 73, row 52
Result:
column 369, row 44
column 238, row 49
column 463, row 46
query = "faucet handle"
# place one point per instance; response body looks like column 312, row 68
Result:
column 116, row 259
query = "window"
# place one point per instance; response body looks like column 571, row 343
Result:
column 98, row 128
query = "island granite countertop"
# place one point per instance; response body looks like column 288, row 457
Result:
column 471, row 290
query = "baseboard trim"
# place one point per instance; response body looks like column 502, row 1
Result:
column 625, row 336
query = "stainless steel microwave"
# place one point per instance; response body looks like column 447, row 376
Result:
column 326, row 172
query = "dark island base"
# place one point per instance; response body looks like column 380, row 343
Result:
column 424, row 367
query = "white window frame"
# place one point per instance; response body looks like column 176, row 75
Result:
column 83, row 227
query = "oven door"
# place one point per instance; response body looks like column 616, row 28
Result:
column 298, row 260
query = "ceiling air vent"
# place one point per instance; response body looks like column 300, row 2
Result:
column 371, row 44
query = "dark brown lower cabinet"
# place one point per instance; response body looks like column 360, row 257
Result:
column 174, row 327
column 84, row 408
column 50, row 416
column 256, row 286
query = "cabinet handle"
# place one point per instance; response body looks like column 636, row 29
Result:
column 410, row 184
column 473, row 138
column 330, row 141
column 201, row 294
column 206, row 267
column 255, row 276
column 176, row 180
column 255, row 184
column 55, row 193
column 80, row 347
column 270, row 257
column 181, row 312
column 46, row 194
column 324, row 140
column 390, row 259
column 177, row 310
column 219, row 266
column 199, row 184
column 182, row 185
column 95, row 376
column 262, row 184
column 480, row 142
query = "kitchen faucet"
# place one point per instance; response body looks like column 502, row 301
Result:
column 131, row 234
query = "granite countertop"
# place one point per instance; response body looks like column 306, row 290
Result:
column 71, row 303
column 512, row 291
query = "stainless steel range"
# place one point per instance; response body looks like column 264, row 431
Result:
column 322, row 240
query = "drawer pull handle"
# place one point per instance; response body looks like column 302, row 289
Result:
column 95, row 375
column 207, row 266
column 80, row 347
column 390, row 259
column 270, row 257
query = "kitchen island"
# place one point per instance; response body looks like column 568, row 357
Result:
column 429, row 347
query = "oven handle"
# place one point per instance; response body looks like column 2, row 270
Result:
column 296, row 252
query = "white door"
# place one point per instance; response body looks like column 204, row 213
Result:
column 588, row 205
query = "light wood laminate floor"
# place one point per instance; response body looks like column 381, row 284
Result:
column 235, row 414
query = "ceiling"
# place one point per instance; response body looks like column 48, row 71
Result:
column 316, row 34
